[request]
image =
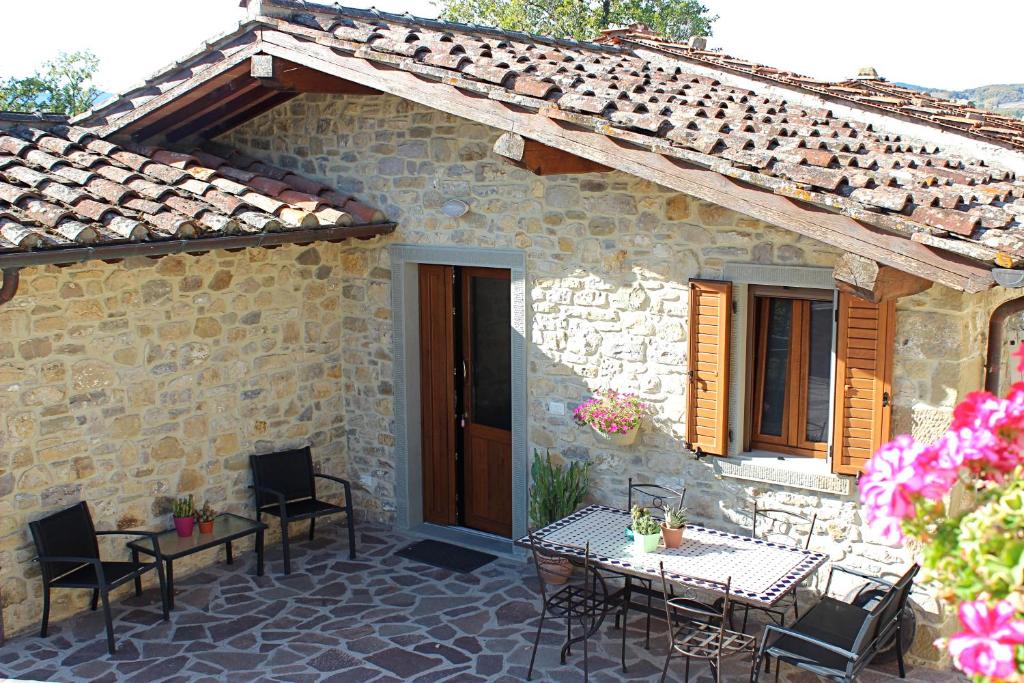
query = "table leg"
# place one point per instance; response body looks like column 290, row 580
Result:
column 169, row 566
column 231, row 557
column 138, row 579
column 259, row 553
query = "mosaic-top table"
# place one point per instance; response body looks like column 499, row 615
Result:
column 761, row 572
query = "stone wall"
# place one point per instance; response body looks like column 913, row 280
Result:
column 608, row 259
column 128, row 383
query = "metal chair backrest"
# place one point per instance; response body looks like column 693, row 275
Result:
column 770, row 517
column 68, row 533
column 546, row 572
column 883, row 619
column 290, row 472
column 652, row 496
column 687, row 608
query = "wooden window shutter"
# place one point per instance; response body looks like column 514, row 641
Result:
column 863, row 400
column 707, row 416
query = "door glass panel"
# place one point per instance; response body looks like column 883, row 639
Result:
column 776, row 364
column 491, row 334
column 819, row 364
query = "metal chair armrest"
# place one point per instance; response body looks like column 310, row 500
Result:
column 344, row 482
column 281, row 501
column 101, row 577
column 854, row 572
column 152, row 535
column 772, row 628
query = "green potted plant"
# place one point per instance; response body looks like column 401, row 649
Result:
column 556, row 491
column 614, row 416
column 184, row 511
column 645, row 531
column 206, row 515
column 672, row 527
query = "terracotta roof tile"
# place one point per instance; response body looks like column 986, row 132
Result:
column 781, row 132
column 65, row 186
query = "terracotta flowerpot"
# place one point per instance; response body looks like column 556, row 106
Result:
column 184, row 526
column 643, row 544
column 554, row 570
column 619, row 438
column 673, row 537
column 206, row 527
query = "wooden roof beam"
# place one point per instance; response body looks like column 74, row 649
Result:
column 227, row 109
column 270, row 100
column 232, row 91
column 279, row 74
column 874, row 282
column 540, row 159
column 828, row 227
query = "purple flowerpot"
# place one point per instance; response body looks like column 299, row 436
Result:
column 184, row 526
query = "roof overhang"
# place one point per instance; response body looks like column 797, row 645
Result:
column 827, row 218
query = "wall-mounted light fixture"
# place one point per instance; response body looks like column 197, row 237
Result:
column 455, row 208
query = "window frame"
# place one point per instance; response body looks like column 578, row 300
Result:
column 797, row 370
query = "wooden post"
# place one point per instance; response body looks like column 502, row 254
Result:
column 874, row 282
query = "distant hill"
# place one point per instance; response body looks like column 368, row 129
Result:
column 1006, row 99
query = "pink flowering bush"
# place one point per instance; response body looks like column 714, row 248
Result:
column 975, row 556
column 611, row 412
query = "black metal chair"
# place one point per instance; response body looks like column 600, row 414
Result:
column 772, row 518
column 650, row 497
column 69, row 555
column 836, row 640
column 585, row 599
column 697, row 631
column 285, row 486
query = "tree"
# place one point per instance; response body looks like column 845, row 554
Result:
column 583, row 19
column 62, row 85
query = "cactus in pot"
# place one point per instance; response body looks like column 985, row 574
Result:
column 672, row 527
column 206, row 516
column 645, row 531
column 184, row 511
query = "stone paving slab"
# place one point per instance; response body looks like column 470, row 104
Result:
column 377, row 619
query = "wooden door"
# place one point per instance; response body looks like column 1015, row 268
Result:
column 486, row 333
column 437, row 393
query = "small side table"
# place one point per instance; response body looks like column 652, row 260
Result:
column 227, row 527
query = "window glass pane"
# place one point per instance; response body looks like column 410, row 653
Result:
column 819, row 363
column 491, row 333
column 776, row 364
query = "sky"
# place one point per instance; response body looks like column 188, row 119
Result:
column 934, row 43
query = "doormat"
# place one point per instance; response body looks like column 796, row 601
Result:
column 446, row 556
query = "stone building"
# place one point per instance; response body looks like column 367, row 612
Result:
column 788, row 274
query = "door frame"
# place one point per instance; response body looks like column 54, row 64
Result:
column 405, row 260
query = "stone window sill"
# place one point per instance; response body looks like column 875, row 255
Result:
column 793, row 471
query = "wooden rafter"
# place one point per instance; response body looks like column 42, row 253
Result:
column 265, row 104
column 215, row 99
column 183, row 94
column 280, row 74
column 811, row 221
column 229, row 108
column 540, row 159
column 873, row 282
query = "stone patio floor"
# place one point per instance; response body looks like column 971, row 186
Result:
column 379, row 618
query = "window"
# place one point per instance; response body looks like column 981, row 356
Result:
column 791, row 367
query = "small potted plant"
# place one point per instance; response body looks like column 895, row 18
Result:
column 672, row 527
column 556, row 491
column 184, row 511
column 645, row 531
column 613, row 415
column 206, row 515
